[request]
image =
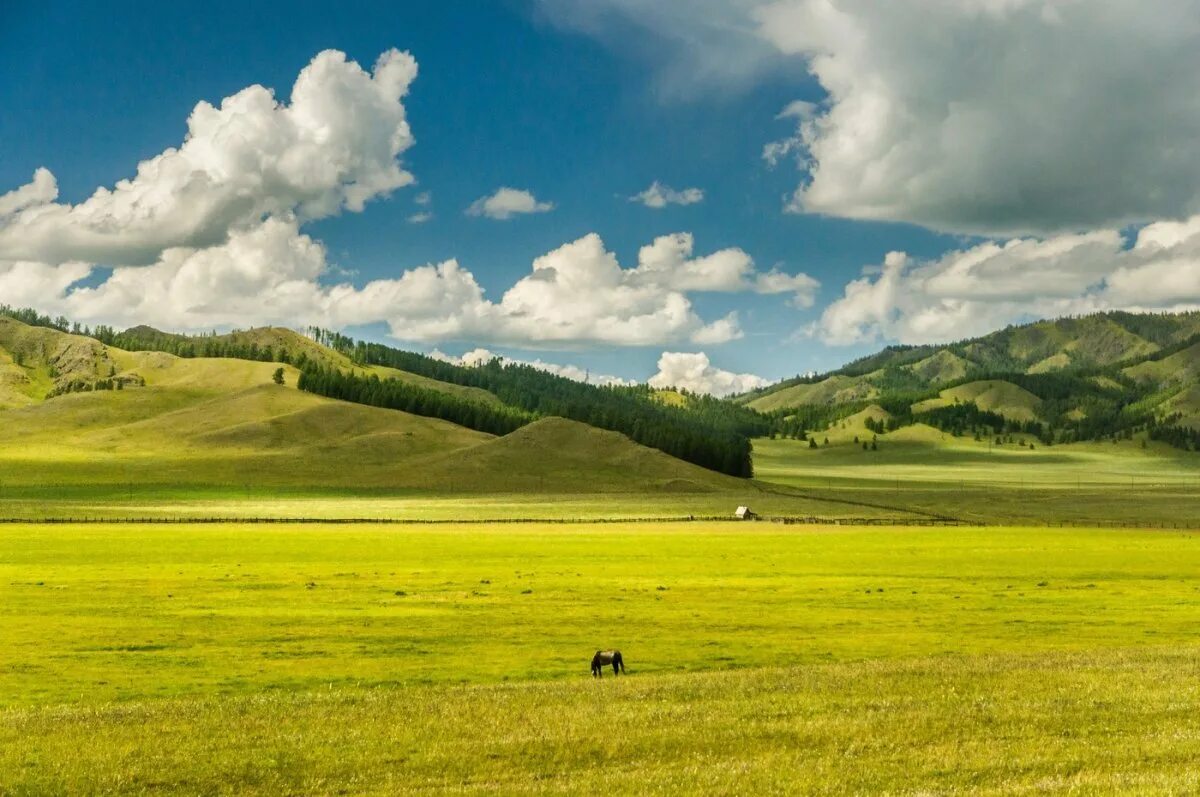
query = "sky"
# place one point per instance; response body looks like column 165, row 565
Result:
column 712, row 194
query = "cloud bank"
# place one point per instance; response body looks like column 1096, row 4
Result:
column 995, row 117
column 980, row 289
column 695, row 373
column 210, row 235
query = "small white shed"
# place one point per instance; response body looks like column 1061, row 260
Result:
column 744, row 513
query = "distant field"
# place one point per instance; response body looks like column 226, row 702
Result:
column 922, row 469
column 167, row 502
column 309, row 658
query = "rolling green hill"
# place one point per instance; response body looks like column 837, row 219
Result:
column 79, row 412
column 1099, row 377
column 1002, row 398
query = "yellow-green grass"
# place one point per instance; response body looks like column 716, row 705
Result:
column 945, row 366
column 1182, row 366
column 853, row 426
column 1090, row 723
column 834, row 390
column 924, row 469
column 222, row 423
column 239, row 659
column 923, row 454
column 170, row 502
column 672, row 398
column 1003, row 398
column 131, row 612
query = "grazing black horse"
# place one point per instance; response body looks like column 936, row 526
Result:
column 604, row 657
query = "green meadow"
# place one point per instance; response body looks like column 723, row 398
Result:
column 239, row 658
column 420, row 612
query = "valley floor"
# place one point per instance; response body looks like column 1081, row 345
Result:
column 762, row 659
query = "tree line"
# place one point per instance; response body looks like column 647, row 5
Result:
column 394, row 394
column 707, row 432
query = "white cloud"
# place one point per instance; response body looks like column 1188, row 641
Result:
column 42, row 190
column 420, row 218
column 997, row 117
column 506, row 203
column 273, row 274
column 694, row 372
column 658, row 196
column 423, row 199
column 334, row 147
column 210, row 235
column 477, row 357
column 977, row 290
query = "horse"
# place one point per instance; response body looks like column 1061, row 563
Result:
column 604, row 657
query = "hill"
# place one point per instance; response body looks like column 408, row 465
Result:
column 80, row 412
column 559, row 454
column 36, row 362
column 1098, row 377
column 1002, row 398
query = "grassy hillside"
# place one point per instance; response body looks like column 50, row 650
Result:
column 1087, row 344
column 1103, row 377
column 836, row 389
column 1003, row 398
column 566, row 455
column 36, row 362
column 202, row 422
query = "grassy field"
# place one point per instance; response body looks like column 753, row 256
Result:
column 1104, row 722
column 302, row 659
column 923, row 469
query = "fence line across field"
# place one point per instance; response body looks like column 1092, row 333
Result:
column 778, row 520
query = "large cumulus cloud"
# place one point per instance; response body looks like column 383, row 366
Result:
column 334, row 146
column 694, row 372
column 981, row 288
column 997, row 117
column 211, row 235
column 271, row 273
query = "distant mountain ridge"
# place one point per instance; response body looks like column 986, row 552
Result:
column 1076, row 378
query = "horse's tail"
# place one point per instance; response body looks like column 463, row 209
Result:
column 621, row 661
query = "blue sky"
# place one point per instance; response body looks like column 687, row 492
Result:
column 583, row 109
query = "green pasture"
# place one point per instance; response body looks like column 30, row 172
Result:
column 99, row 613
column 379, row 659
column 1101, row 722
column 924, row 470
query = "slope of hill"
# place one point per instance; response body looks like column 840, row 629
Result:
column 153, row 418
column 1102, row 377
column 36, row 362
column 836, row 389
column 1181, row 367
column 945, row 366
column 1002, row 398
column 282, row 345
column 1076, row 345
column 563, row 455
